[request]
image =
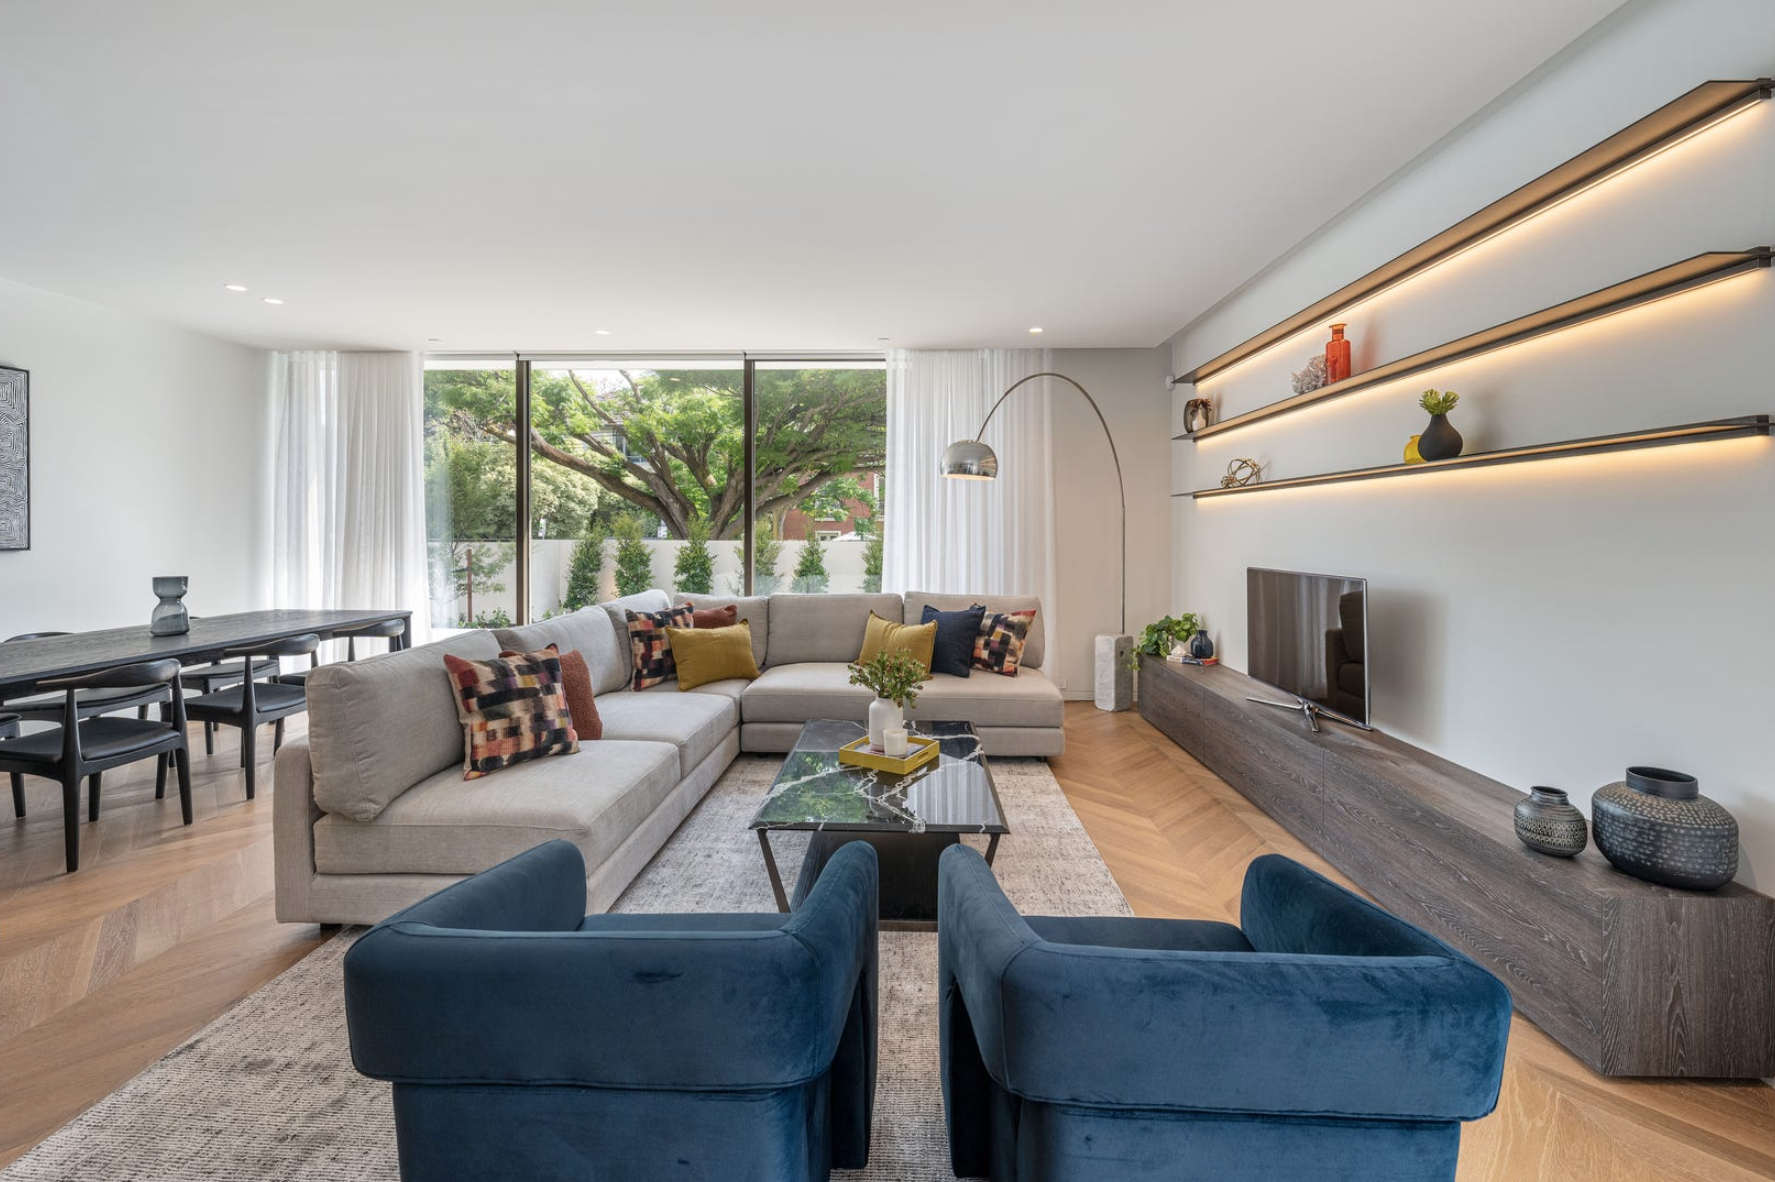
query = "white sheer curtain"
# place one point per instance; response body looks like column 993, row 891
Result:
column 992, row 537
column 349, row 483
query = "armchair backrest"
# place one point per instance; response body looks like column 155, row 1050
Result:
column 523, row 997
column 1393, row 1026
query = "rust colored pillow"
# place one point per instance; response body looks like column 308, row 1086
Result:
column 714, row 617
column 576, row 680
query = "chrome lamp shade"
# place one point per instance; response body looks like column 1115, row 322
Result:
column 969, row 459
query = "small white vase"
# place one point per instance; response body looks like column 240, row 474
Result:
column 883, row 714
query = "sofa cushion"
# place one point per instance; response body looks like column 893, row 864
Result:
column 448, row 825
column 379, row 726
column 953, row 651
column 823, row 627
column 1034, row 645
column 590, row 632
column 1028, row 699
column 513, row 710
column 999, row 647
column 806, row 690
column 888, row 636
column 712, row 654
column 733, row 690
column 693, row 723
column 650, row 642
column 754, row 609
column 576, row 681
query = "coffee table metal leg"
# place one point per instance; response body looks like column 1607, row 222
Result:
column 991, row 848
column 770, row 864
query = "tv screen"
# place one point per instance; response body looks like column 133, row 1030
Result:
column 1308, row 636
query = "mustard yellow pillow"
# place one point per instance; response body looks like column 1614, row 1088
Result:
column 712, row 654
column 885, row 636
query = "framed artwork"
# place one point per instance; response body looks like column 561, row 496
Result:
column 15, row 459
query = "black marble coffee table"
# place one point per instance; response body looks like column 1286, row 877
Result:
column 910, row 819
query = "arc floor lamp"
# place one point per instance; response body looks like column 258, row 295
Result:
column 972, row 459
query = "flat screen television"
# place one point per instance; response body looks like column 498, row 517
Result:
column 1307, row 635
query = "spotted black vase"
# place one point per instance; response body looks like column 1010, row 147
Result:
column 1549, row 823
column 1656, row 825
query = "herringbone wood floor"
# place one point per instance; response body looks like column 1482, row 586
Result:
column 165, row 927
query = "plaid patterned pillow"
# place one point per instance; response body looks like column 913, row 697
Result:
column 512, row 710
column 999, row 647
column 651, row 648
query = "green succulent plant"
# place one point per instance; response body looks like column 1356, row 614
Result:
column 1439, row 402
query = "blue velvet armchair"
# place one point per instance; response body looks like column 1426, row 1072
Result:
column 1325, row 1040
column 527, row 1040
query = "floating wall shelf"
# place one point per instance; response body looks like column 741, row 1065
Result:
column 1684, row 116
column 1653, row 285
column 1734, row 428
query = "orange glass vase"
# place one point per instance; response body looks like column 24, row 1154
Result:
column 1337, row 356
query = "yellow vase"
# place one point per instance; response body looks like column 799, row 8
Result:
column 1411, row 451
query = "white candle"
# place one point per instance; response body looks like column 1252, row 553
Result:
column 894, row 741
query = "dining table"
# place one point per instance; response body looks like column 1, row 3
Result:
column 25, row 664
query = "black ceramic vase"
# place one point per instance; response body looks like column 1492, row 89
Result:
column 1549, row 823
column 1656, row 825
column 1440, row 441
column 1200, row 647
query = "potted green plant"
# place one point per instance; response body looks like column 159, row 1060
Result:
column 1440, row 441
column 894, row 678
column 1158, row 638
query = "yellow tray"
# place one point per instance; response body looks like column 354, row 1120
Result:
column 922, row 752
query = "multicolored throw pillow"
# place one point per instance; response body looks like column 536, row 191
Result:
column 999, row 647
column 651, row 647
column 576, row 681
column 512, row 710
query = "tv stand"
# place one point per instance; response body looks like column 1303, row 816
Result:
column 1633, row 978
column 1312, row 710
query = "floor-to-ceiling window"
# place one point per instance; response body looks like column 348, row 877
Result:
column 471, row 491
column 821, row 452
column 637, row 476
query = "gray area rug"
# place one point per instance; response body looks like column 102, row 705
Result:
column 267, row 1091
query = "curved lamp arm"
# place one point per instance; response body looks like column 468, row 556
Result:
column 1121, row 487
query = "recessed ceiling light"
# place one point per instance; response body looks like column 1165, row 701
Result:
column 272, row 300
column 600, row 332
column 434, row 340
column 1037, row 328
column 881, row 338
column 233, row 287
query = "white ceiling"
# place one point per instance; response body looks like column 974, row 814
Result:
column 764, row 175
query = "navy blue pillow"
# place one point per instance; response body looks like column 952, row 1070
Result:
column 956, row 633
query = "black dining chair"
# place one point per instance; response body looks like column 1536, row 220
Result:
column 40, row 707
column 210, row 676
column 85, row 748
column 9, row 730
column 254, row 702
column 391, row 630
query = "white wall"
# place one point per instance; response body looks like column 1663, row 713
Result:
column 1555, row 622
column 147, row 459
column 1129, row 385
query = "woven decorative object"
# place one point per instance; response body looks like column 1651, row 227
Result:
column 1241, row 472
column 1656, row 825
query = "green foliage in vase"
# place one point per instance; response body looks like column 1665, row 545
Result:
column 694, row 570
column 1439, row 402
column 895, row 676
column 634, row 558
column 1157, row 639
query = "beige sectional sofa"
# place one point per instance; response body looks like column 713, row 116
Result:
column 372, row 814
